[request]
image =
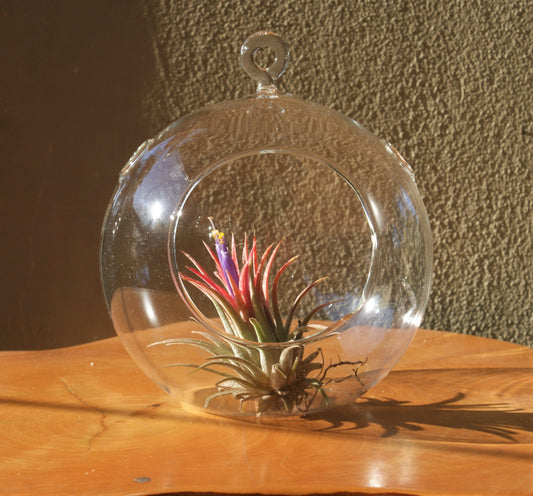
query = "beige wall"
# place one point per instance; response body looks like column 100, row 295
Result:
column 448, row 83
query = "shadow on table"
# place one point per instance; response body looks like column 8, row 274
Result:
column 393, row 417
column 449, row 420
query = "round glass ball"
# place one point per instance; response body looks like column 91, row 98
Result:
column 267, row 178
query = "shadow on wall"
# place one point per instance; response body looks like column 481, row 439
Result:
column 70, row 116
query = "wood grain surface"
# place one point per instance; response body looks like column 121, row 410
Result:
column 455, row 417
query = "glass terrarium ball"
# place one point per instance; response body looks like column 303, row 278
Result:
column 266, row 256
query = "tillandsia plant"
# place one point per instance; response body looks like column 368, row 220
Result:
column 245, row 297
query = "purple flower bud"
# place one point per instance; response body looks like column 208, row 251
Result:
column 229, row 270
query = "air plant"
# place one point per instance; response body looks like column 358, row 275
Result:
column 245, row 297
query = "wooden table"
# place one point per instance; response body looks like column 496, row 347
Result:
column 454, row 417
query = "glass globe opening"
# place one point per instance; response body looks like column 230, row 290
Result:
column 278, row 196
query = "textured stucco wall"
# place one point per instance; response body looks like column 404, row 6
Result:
column 83, row 83
column 448, row 83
